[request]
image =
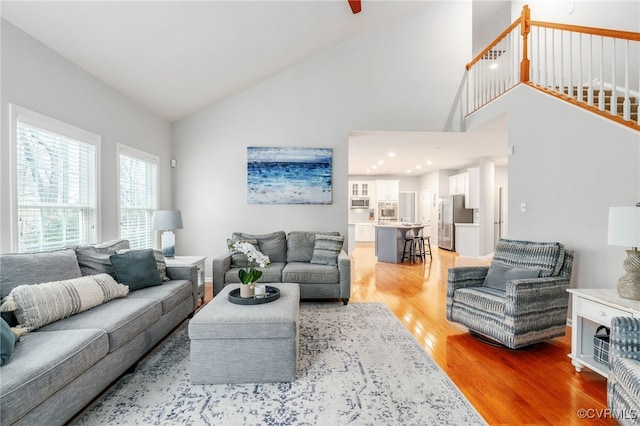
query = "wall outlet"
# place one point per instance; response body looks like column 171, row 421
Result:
column 523, row 207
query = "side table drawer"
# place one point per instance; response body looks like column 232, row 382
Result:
column 598, row 312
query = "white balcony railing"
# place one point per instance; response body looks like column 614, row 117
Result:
column 593, row 68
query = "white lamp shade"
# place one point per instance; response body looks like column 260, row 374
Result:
column 624, row 226
column 167, row 220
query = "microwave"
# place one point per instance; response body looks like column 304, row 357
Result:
column 359, row 203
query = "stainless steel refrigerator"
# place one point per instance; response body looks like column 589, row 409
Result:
column 451, row 211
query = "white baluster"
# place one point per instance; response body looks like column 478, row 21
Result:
column 590, row 93
column 553, row 60
column 579, row 85
column 561, row 73
column 570, row 82
column 519, row 55
column 601, row 97
column 614, row 96
column 538, row 62
column 626, row 105
column 545, row 70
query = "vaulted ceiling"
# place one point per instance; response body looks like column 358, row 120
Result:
column 177, row 57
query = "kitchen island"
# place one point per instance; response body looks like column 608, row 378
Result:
column 390, row 240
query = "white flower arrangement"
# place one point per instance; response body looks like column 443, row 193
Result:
column 254, row 256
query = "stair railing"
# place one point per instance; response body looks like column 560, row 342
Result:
column 597, row 69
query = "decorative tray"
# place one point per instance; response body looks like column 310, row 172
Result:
column 273, row 293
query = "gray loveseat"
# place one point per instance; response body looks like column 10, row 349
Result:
column 292, row 260
column 57, row 369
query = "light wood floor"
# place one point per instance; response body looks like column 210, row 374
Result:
column 537, row 385
column 508, row 387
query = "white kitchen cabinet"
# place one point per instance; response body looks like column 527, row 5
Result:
column 365, row 232
column 472, row 189
column 468, row 239
column 388, row 190
column 360, row 188
column 457, row 183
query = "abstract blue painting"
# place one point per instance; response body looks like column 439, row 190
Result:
column 289, row 175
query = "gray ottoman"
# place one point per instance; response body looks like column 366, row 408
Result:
column 246, row 343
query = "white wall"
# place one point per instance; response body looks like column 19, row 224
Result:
column 569, row 166
column 618, row 15
column 490, row 18
column 389, row 79
column 37, row 78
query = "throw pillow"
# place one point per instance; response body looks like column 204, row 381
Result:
column 160, row 260
column 300, row 245
column 7, row 341
column 38, row 304
column 239, row 259
column 94, row 258
column 498, row 275
column 326, row 249
column 34, row 268
column 137, row 269
column 273, row 245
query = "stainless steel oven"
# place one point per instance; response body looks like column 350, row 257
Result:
column 388, row 211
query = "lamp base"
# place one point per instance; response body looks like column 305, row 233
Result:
column 629, row 283
column 168, row 240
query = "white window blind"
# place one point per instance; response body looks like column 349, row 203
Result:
column 56, row 188
column 138, row 197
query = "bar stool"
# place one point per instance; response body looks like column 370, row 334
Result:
column 423, row 246
column 409, row 243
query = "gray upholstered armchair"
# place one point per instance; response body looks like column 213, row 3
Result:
column 519, row 300
column 623, row 386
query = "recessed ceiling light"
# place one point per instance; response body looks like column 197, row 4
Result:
column 380, row 161
column 429, row 163
column 368, row 170
column 408, row 170
column 374, row 166
column 392, row 154
column 418, row 167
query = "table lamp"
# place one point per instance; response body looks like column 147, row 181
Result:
column 624, row 230
column 167, row 221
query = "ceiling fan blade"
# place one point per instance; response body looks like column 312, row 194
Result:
column 356, row 6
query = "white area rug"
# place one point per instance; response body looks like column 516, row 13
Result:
column 358, row 365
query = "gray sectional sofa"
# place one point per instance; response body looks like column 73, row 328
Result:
column 57, row 369
column 295, row 257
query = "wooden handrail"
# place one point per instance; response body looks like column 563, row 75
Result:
column 525, row 21
column 489, row 84
column 626, row 35
column 493, row 43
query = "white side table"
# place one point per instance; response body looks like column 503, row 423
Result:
column 590, row 309
column 197, row 261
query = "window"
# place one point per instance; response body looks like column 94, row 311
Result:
column 55, row 198
column 138, row 196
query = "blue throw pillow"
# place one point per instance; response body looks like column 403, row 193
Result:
column 136, row 268
column 7, row 341
column 498, row 275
